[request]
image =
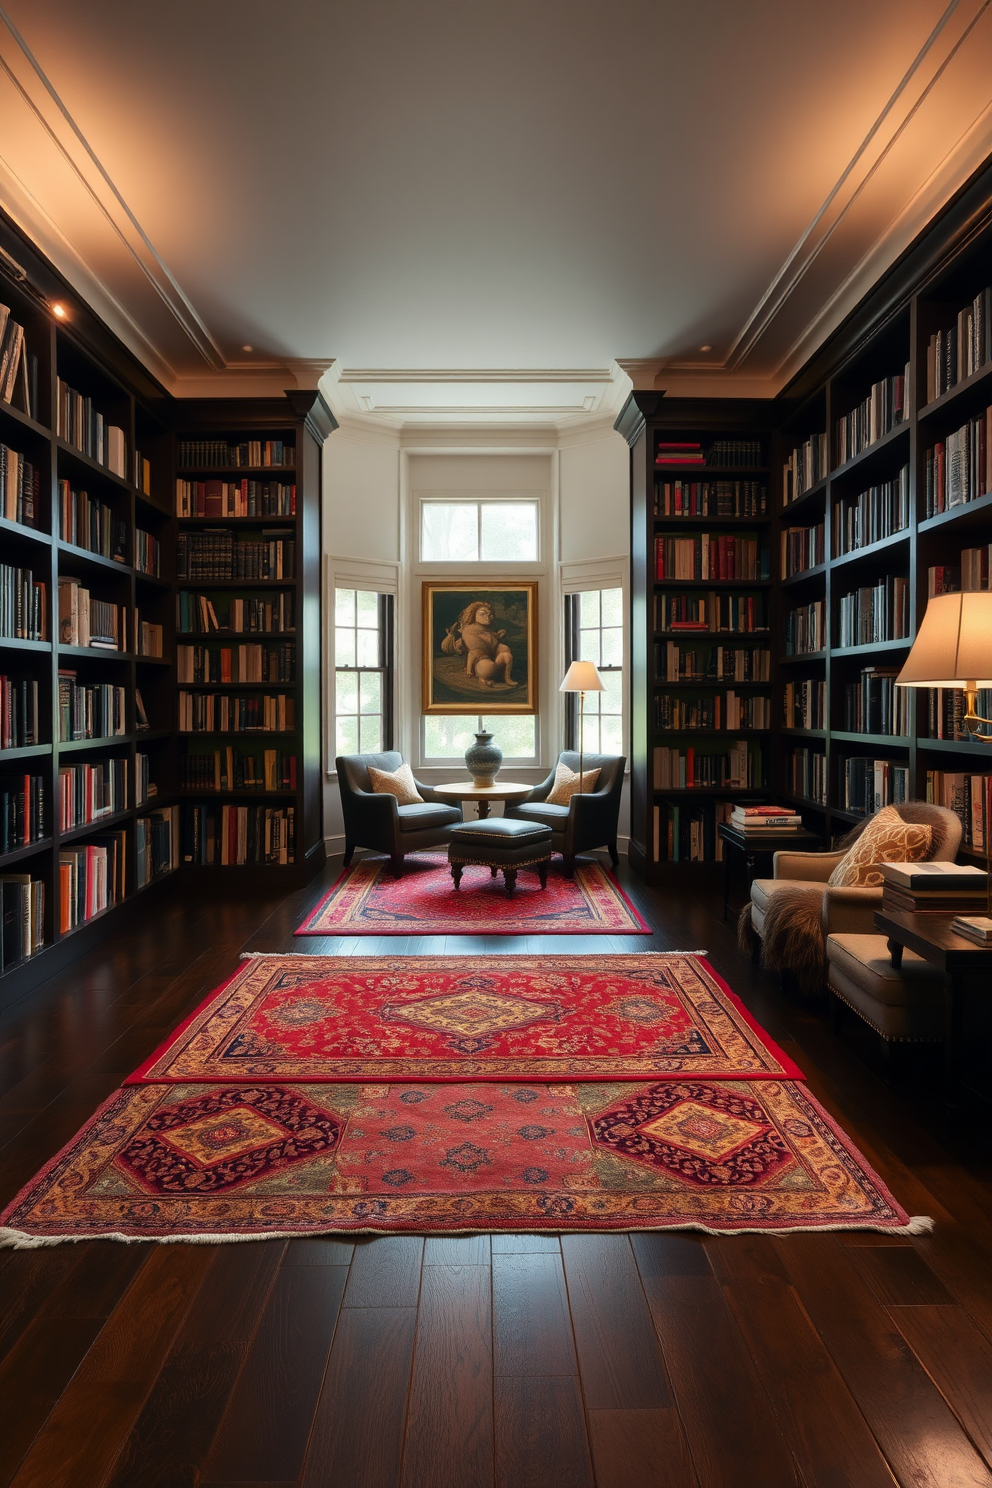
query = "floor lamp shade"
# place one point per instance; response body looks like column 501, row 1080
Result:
column 582, row 676
column 953, row 646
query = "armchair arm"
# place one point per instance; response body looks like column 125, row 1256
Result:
column 539, row 792
column 816, row 867
column 430, row 794
column 371, row 818
column 850, row 911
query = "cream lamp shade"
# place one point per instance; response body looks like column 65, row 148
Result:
column 582, row 676
column 953, row 647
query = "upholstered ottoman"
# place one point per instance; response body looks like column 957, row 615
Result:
column 903, row 1004
column 500, row 843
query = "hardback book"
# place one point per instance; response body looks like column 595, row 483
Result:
column 974, row 927
column 763, row 811
column 931, row 877
column 948, row 901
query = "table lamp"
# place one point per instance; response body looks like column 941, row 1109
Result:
column 953, row 648
column 582, row 677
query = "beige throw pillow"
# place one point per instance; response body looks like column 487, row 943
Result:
column 567, row 783
column 886, row 839
column 399, row 783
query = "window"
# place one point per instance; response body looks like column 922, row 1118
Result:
column 594, row 632
column 495, row 531
column 448, row 737
column 362, row 671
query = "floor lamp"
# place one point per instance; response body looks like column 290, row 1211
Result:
column 953, row 648
column 582, row 677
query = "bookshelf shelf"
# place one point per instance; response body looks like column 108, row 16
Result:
column 100, row 824
column 29, row 850
column 12, row 643
column 804, row 576
column 871, row 550
column 980, row 380
column 875, row 453
column 874, row 741
column 871, row 647
column 977, row 513
column 22, row 533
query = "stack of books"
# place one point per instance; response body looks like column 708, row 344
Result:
column 764, row 821
column 934, row 888
column 973, row 927
column 679, row 452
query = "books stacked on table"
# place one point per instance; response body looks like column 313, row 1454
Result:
column 765, row 821
column 934, row 888
column 973, row 927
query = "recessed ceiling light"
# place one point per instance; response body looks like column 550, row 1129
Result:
column 247, row 348
column 706, row 348
column 59, row 311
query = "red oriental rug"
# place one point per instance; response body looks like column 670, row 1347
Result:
column 368, row 900
column 620, row 1017
column 253, row 1161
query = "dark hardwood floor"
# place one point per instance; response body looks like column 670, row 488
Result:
column 641, row 1361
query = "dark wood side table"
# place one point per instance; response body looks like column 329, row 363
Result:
column 758, row 852
column 967, row 969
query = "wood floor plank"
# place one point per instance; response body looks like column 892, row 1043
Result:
column 902, row 1278
column 670, row 1255
column 958, row 1358
column 619, row 1361
column 456, row 1250
column 357, row 1436
column 541, row 1434
column 532, row 1333
column 646, row 1447
column 385, row 1272
column 524, row 1244
column 33, row 1376
column 321, row 1250
column 85, row 1431
column 449, row 1436
column 266, row 1426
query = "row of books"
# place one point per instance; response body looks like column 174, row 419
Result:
column 244, row 498
column 90, row 710
column 958, row 469
column 217, row 554
column 18, row 370
column 808, row 463
column 19, row 716
column 89, row 523
column 957, row 352
column 875, row 612
column 20, row 488
column 712, row 710
column 240, row 769
column 738, row 767
column 946, row 709
column 740, row 452
column 250, row 662
column 239, row 834
column 249, row 454
column 145, row 788
column 967, row 577
column 149, row 637
column 886, row 406
column 89, row 791
column 83, row 426
column 156, row 844
column 22, row 812
column 717, row 613
column 686, row 831
column 674, row 663
column 806, row 773
column 198, row 613
column 92, row 877
column 142, row 473
column 805, row 629
column 85, row 621
column 967, row 795
column 147, row 553
column 711, row 499
column 710, row 555
column 805, row 704
column 23, row 604
column 866, row 785
column 223, row 713
column 875, row 705
column 22, row 918
column 872, row 515
column 802, row 548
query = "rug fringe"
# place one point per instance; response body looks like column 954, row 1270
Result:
column 919, row 1224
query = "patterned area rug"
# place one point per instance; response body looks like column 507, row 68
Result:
column 368, row 900
column 286, row 1018
column 230, row 1162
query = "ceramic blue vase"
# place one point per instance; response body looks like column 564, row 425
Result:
column 483, row 759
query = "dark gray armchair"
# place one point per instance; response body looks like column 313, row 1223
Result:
column 375, row 819
column 587, row 821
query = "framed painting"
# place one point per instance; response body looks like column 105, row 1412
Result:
column 480, row 647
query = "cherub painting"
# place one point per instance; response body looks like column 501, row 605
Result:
column 480, row 648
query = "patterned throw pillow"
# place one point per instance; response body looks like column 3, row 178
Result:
column 400, row 783
column 886, row 839
column 567, row 783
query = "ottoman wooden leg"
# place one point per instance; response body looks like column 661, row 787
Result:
column 542, row 873
column 509, row 878
column 493, row 871
column 456, row 873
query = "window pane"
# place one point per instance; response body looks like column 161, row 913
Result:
column 344, row 607
column 612, row 600
column 589, row 646
column 448, row 738
column 611, row 735
column 589, row 608
column 368, row 648
column 367, row 609
column 592, row 703
column 509, row 531
column 371, row 733
column 346, row 692
column 346, row 734
column 590, row 733
column 344, row 647
column 449, row 532
column 371, row 692
column 611, row 698
column 514, row 733
column 613, row 647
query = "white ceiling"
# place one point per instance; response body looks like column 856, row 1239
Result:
column 540, row 190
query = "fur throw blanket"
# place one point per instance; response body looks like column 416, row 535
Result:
column 793, row 938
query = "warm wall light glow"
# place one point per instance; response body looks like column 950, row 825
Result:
column 247, row 348
column 59, row 311
column 706, row 348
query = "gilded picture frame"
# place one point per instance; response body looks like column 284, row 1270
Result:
column 479, row 644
